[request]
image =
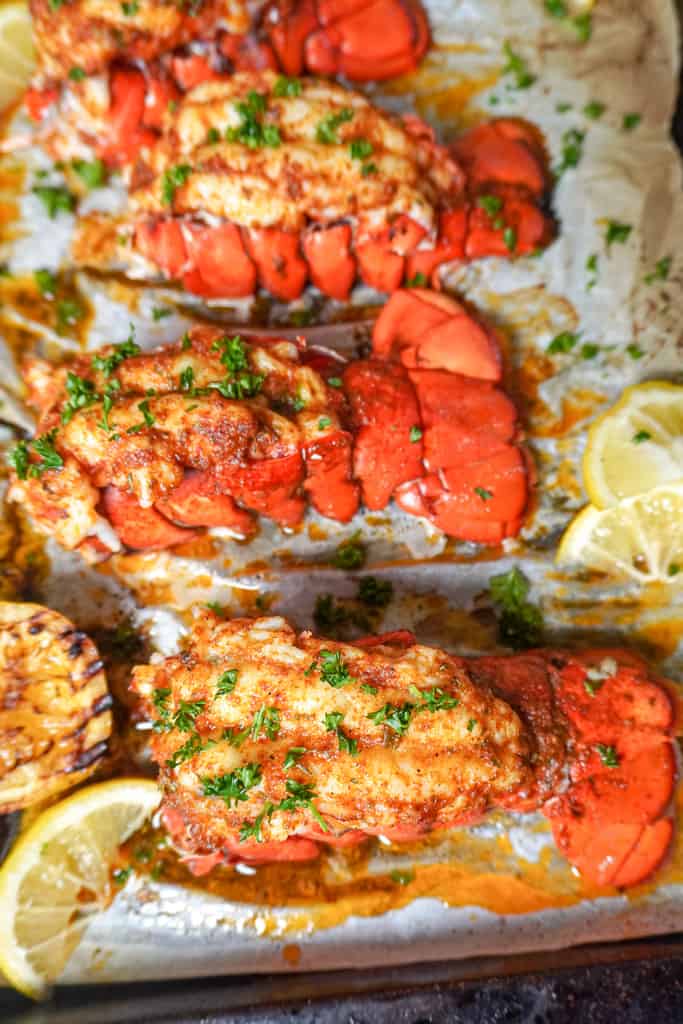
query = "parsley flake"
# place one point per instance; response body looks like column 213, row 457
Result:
column 326, row 130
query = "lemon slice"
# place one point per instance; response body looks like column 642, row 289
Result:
column 636, row 445
column 640, row 538
column 57, row 877
column 16, row 52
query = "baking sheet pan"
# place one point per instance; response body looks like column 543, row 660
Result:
column 630, row 64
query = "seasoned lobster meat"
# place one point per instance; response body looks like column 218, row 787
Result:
column 381, row 766
column 108, row 71
column 251, row 185
column 198, row 434
column 55, row 717
column 208, row 431
column 270, row 742
column 92, row 34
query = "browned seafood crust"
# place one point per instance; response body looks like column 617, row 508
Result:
column 55, row 716
column 259, row 677
column 90, row 34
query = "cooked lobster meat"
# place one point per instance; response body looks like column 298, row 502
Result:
column 251, row 186
column 108, row 71
column 55, row 717
column 201, row 433
column 270, row 742
column 141, row 449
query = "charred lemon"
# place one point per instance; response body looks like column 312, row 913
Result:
column 55, row 717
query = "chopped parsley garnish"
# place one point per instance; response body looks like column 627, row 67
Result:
column 418, row 280
column 374, row 592
column 293, row 756
column 635, row 351
column 393, row 716
column 81, row 394
column 435, row 699
column 185, row 342
column 234, row 737
column 301, row 795
column 673, row 569
column 226, row 682
column 583, row 26
column 174, row 178
column 252, row 131
column 368, row 169
column 286, row 87
column 518, row 68
column 77, row 74
column 253, row 831
column 186, row 379
column 367, row 688
column 630, row 122
column 415, row 434
column 130, row 7
column 589, row 350
column 332, row 722
column 324, row 422
column 595, row 109
column 608, row 755
column 68, row 313
column 44, row 447
column 121, row 875
column 332, row 668
column 616, row 232
column 217, row 608
column 471, row 724
column 350, row 554
column 160, row 313
column 482, row 493
column 242, row 385
column 184, row 718
column 510, row 238
column 491, row 205
column 46, row 281
column 233, row 787
column 266, row 720
column 190, row 748
column 55, row 199
column 562, row 343
column 592, row 266
column 147, row 418
column 597, row 675
column 107, row 364
column 520, row 622
column 360, row 149
column 335, row 382
column 93, row 173
column 572, row 150
column 661, row 271
column 557, row 8
column 213, row 136
column 640, row 436
column 402, row 877
column 326, row 130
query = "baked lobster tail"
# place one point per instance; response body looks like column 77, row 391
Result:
column 255, row 185
column 140, row 450
column 107, row 72
column 271, row 742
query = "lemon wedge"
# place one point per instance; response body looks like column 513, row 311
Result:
column 17, row 59
column 57, row 877
column 636, row 445
column 641, row 538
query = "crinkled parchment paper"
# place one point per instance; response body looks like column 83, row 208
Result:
column 581, row 284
